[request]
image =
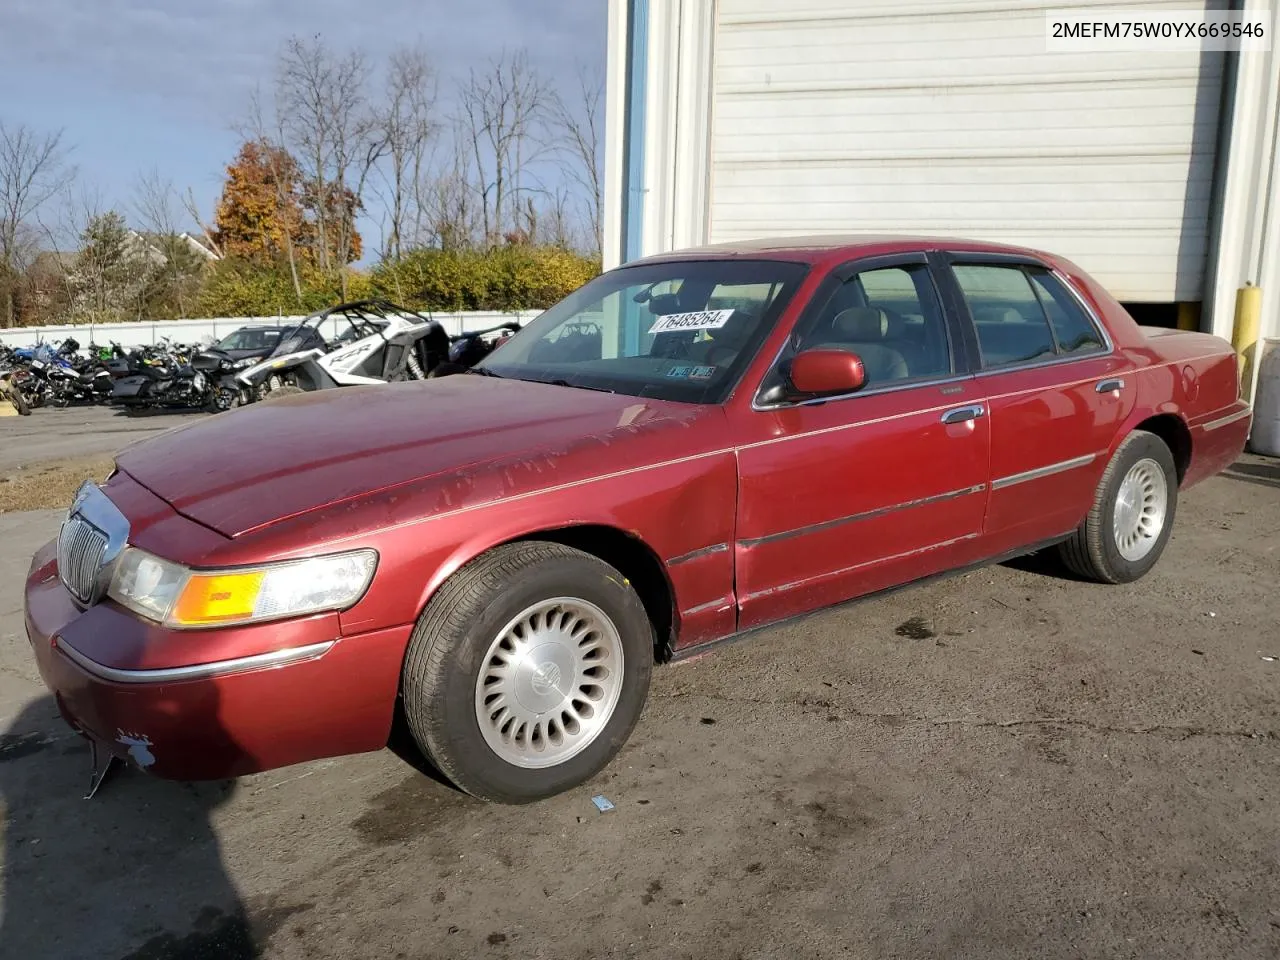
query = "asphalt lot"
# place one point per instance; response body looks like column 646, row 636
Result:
column 77, row 432
column 1007, row 764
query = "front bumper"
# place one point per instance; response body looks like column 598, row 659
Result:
column 204, row 705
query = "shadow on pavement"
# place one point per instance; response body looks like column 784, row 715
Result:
column 134, row 874
column 1264, row 474
column 141, row 413
column 1044, row 563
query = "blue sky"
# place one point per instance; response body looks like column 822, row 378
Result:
column 160, row 83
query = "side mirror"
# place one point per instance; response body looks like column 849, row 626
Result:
column 826, row 372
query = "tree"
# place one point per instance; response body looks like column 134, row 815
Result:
column 173, row 285
column 339, row 208
column 260, row 216
column 408, row 127
column 578, row 126
column 447, row 198
column 501, row 111
column 329, row 125
column 110, row 272
column 33, row 169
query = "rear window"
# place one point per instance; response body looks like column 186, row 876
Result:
column 1023, row 314
column 1072, row 328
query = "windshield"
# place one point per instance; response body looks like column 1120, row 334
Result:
column 682, row 330
column 250, row 338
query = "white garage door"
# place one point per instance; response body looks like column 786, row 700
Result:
column 950, row 118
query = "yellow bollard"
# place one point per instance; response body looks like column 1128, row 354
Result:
column 1244, row 333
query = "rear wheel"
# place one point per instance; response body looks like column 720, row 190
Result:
column 18, row 401
column 527, row 671
column 1132, row 515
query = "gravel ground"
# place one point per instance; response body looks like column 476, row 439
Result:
column 1007, row 764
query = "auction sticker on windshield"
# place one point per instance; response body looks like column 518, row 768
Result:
column 698, row 320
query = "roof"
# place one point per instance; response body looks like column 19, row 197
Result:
column 836, row 247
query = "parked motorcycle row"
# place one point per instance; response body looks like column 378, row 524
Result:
column 375, row 342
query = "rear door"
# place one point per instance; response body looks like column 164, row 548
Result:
column 1056, row 390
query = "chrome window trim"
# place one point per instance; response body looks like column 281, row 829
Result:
column 1048, row 470
column 199, row 671
column 895, row 387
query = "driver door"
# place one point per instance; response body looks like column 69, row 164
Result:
column 844, row 496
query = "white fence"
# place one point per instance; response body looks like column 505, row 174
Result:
column 215, row 328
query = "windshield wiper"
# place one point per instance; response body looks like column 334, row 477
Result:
column 484, row 372
column 576, row 386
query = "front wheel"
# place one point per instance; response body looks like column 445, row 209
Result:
column 527, row 671
column 1132, row 515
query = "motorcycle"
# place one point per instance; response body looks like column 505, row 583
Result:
column 223, row 391
column 11, row 391
column 162, row 378
column 51, row 377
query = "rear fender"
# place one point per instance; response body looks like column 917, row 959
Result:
column 1161, row 391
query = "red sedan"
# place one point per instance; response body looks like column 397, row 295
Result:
column 686, row 449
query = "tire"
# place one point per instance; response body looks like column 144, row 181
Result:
column 19, row 402
column 221, row 401
column 469, row 625
column 1111, row 549
column 285, row 391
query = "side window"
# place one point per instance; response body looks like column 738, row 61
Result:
column 890, row 317
column 1010, row 322
column 1072, row 327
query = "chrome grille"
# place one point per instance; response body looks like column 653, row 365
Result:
column 81, row 549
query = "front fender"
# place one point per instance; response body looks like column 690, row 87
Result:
column 681, row 511
column 257, row 375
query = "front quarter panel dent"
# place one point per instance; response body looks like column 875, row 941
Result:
column 671, row 509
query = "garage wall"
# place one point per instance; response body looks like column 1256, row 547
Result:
column 950, row 118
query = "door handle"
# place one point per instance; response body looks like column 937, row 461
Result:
column 1109, row 386
column 964, row 414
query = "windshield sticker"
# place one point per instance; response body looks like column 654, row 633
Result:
column 692, row 373
column 698, row 320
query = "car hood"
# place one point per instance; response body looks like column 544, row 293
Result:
column 242, row 470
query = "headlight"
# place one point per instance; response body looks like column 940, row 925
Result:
column 245, row 364
column 179, row 597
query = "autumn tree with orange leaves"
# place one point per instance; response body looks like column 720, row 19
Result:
column 268, row 217
column 259, row 218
